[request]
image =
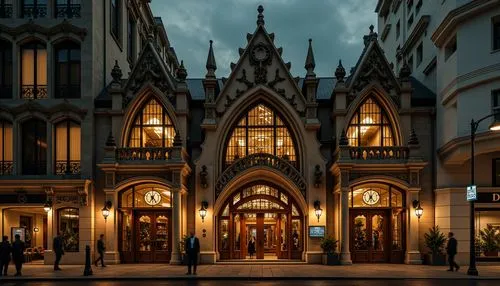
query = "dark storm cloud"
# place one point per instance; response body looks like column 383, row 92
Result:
column 336, row 27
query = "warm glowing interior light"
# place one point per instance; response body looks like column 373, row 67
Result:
column 166, row 193
column 367, row 120
column 241, row 142
column 495, row 126
column 155, row 121
column 279, row 142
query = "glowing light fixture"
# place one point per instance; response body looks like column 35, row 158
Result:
column 203, row 210
column 47, row 206
column 317, row 209
column 105, row 209
column 418, row 209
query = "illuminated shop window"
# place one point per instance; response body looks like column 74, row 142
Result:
column 69, row 219
column 261, row 130
column 370, row 127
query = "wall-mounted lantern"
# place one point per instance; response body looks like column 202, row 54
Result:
column 47, row 207
column 318, row 175
column 36, row 229
column 105, row 209
column 203, row 210
column 317, row 209
column 204, row 177
column 418, row 209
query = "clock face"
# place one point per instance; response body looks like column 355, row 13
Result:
column 371, row 197
column 152, row 198
column 260, row 53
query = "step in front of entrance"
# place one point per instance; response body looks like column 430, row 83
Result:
column 260, row 262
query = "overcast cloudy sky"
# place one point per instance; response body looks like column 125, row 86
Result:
column 336, row 27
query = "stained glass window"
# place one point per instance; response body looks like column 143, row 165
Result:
column 370, row 127
column 152, row 127
column 261, row 130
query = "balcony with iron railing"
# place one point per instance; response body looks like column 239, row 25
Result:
column 65, row 167
column 144, row 154
column 5, row 11
column 378, row 153
column 38, row 10
column 34, row 92
column 67, row 91
column 68, row 10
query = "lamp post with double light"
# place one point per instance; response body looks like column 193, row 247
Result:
column 495, row 126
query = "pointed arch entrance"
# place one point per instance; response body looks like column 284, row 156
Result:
column 264, row 214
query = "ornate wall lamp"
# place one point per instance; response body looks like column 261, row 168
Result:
column 47, row 207
column 105, row 209
column 203, row 210
column 204, row 177
column 36, row 229
column 418, row 209
column 318, row 175
column 317, row 209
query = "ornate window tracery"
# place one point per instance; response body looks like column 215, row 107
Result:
column 152, row 127
column 370, row 127
column 260, row 130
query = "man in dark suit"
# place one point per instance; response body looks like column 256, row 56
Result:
column 100, row 249
column 192, row 245
column 451, row 249
column 5, row 250
column 58, row 250
column 18, row 248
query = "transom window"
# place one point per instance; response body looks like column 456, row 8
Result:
column 261, row 130
column 152, row 127
column 370, row 127
column 376, row 196
column 146, row 196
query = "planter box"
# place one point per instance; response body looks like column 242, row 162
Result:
column 491, row 253
column 331, row 259
column 436, row 259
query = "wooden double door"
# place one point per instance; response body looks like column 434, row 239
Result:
column 370, row 235
column 153, row 236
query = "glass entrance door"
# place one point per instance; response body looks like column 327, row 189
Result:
column 369, row 235
column 153, row 236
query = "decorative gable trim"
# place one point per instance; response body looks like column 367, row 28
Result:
column 65, row 27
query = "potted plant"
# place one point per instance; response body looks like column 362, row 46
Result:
column 490, row 241
column 435, row 240
column 329, row 246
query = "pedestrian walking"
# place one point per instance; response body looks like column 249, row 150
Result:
column 18, row 248
column 251, row 247
column 451, row 249
column 100, row 249
column 192, row 244
column 58, row 250
column 5, row 250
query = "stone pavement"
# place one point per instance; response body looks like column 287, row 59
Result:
column 250, row 272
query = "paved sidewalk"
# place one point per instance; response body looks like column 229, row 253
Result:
column 248, row 272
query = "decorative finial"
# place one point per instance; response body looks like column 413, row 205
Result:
column 110, row 141
column 340, row 72
column 404, row 72
column 181, row 72
column 260, row 17
column 211, row 65
column 343, row 141
column 372, row 36
column 310, row 63
column 116, row 73
column 413, row 140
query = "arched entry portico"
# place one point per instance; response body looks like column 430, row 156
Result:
column 265, row 215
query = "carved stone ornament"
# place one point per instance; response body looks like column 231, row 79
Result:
column 261, row 160
column 318, row 175
column 64, row 198
column 22, row 198
column 260, row 58
column 204, row 177
column 397, row 175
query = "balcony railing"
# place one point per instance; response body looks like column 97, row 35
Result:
column 5, row 10
column 148, row 154
column 35, row 168
column 67, row 91
column 68, row 11
column 379, row 153
column 6, row 91
column 6, row 167
column 64, row 167
column 34, row 91
column 34, row 11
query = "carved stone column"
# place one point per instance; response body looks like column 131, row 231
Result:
column 176, row 227
column 412, row 255
column 345, row 254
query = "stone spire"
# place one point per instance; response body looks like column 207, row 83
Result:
column 211, row 65
column 260, row 17
column 181, row 72
column 404, row 72
column 372, row 36
column 310, row 63
column 413, row 140
column 116, row 73
column 340, row 72
column 110, row 141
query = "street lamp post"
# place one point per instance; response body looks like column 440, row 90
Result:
column 495, row 126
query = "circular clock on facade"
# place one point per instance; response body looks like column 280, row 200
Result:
column 260, row 53
column 371, row 197
column 152, row 198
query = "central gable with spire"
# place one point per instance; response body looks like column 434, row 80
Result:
column 260, row 64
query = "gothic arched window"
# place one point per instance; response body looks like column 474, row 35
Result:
column 152, row 127
column 260, row 130
column 370, row 127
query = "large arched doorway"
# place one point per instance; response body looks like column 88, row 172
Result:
column 266, row 213
column 377, row 223
column 145, row 224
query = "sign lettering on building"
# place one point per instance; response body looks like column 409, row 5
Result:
column 488, row 198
